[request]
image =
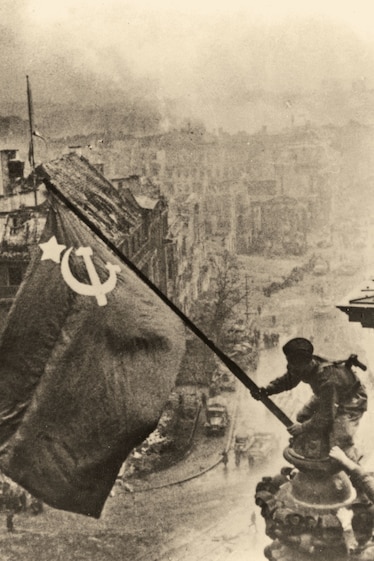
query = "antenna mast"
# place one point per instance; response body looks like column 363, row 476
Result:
column 31, row 128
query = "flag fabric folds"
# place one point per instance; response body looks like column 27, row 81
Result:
column 88, row 358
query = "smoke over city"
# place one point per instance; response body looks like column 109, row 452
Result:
column 235, row 68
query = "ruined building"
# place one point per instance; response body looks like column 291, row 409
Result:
column 131, row 212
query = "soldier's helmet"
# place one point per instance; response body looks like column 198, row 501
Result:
column 298, row 348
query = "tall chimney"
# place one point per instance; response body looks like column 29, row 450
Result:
column 5, row 176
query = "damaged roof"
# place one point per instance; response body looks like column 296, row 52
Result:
column 85, row 186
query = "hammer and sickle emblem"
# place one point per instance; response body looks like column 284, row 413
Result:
column 96, row 288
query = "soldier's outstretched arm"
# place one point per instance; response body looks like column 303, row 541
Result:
column 278, row 385
column 282, row 384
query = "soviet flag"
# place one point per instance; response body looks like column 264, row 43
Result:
column 88, row 358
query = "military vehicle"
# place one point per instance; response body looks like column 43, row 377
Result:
column 241, row 446
column 217, row 418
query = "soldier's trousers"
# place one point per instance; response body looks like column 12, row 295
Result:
column 344, row 427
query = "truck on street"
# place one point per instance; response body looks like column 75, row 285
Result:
column 217, row 418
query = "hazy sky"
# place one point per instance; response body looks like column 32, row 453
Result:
column 87, row 49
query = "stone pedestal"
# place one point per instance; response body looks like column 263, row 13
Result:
column 310, row 514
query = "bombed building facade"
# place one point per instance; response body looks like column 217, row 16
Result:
column 130, row 211
column 177, row 193
column 238, row 178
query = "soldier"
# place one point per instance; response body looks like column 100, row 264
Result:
column 339, row 399
column 362, row 522
column 9, row 521
column 253, row 521
column 362, row 481
column 225, row 458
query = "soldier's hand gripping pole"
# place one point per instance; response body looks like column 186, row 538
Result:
column 255, row 390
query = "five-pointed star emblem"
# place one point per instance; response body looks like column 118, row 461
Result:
column 52, row 250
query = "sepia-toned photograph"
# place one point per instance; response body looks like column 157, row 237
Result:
column 186, row 280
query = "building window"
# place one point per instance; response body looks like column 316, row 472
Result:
column 125, row 247
column 184, row 247
column 15, row 275
column 133, row 244
column 144, row 231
